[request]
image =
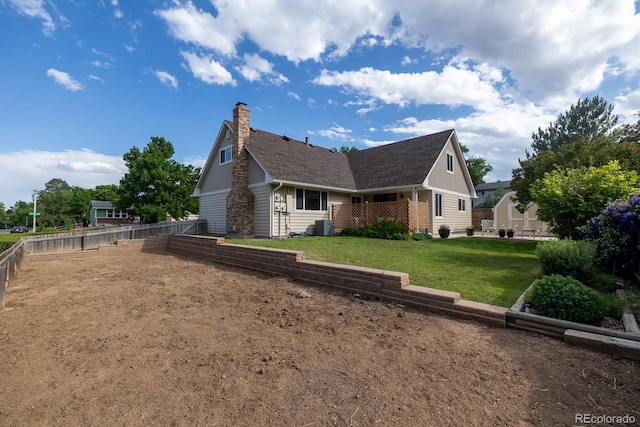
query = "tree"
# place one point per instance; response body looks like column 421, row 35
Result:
column 568, row 199
column 3, row 215
column 107, row 193
column 630, row 133
column 492, row 199
column 583, row 153
column 156, row 185
column 53, row 203
column 79, row 205
column 344, row 149
column 589, row 119
column 19, row 213
column 477, row 166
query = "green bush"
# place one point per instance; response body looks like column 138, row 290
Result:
column 568, row 299
column 350, row 231
column 614, row 307
column 420, row 236
column 573, row 258
column 603, row 282
column 385, row 229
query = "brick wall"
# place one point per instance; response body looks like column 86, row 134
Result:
column 391, row 286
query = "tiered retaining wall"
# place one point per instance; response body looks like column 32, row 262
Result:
column 388, row 285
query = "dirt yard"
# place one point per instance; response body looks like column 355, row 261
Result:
column 133, row 339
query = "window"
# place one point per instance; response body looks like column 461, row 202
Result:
column 356, row 199
column 462, row 205
column 439, row 205
column 311, row 200
column 390, row 197
column 449, row 162
column 225, row 155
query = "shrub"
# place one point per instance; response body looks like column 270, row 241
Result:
column 350, row 231
column 615, row 231
column 567, row 258
column 420, row 236
column 614, row 307
column 385, row 229
column 605, row 283
column 568, row 299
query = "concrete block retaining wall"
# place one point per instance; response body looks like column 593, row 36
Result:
column 388, row 285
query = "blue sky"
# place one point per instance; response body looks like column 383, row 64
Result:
column 83, row 81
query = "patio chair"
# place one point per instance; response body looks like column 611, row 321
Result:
column 487, row 225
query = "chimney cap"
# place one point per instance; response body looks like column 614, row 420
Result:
column 241, row 103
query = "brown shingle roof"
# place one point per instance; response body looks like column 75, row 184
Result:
column 393, row 165
column 295, row 161
column 398, row 164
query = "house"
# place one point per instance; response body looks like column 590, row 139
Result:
column 506, row 215
column 103, row 212
column 259, row 184
column 487, row 189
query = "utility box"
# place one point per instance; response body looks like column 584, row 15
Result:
column 324, row 228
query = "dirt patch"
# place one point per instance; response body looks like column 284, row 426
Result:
column 155, row 339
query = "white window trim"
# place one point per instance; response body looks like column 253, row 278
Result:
column 462, row 203
column 448, row 153
column 304, row 202
column 228, row 147
column 435, row 205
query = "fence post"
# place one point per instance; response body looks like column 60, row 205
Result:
column 3, row 284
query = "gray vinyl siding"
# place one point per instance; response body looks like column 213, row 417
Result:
column 218, row 177
column 213, row 208
column 256, row 173
column 263, row 209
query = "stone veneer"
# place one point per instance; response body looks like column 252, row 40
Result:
column 240, row 200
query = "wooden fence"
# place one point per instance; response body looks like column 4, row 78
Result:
column 11, row 259
column 408, row 213
column 92, row 239
column 478, row 214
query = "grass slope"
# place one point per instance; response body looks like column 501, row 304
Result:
column 494, row 271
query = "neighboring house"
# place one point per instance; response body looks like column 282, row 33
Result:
column 102, row 212
column 259, row 184
column 505, row 215
column 486, row 189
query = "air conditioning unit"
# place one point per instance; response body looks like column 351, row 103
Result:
column 324, row 228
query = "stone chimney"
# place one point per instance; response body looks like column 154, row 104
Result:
column 240, row 200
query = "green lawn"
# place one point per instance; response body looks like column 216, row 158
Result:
column 494, row 271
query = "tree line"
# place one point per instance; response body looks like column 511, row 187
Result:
column 155, row 185
column 579, row 164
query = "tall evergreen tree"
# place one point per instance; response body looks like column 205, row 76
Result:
column 588, row 119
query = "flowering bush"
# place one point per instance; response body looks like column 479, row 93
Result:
column 615, row 232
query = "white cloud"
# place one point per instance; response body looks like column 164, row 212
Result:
column 100, row 64
column 96, row 78
column 453, row 87
column 167, row 79
column 293, row 95
column 208, row 70
column 64, row 79
column 627, row 106
column 191, row 25
column 35, row 9
column 83, row 168
column 257, row 68
column 116, row 12
column 553, row 50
